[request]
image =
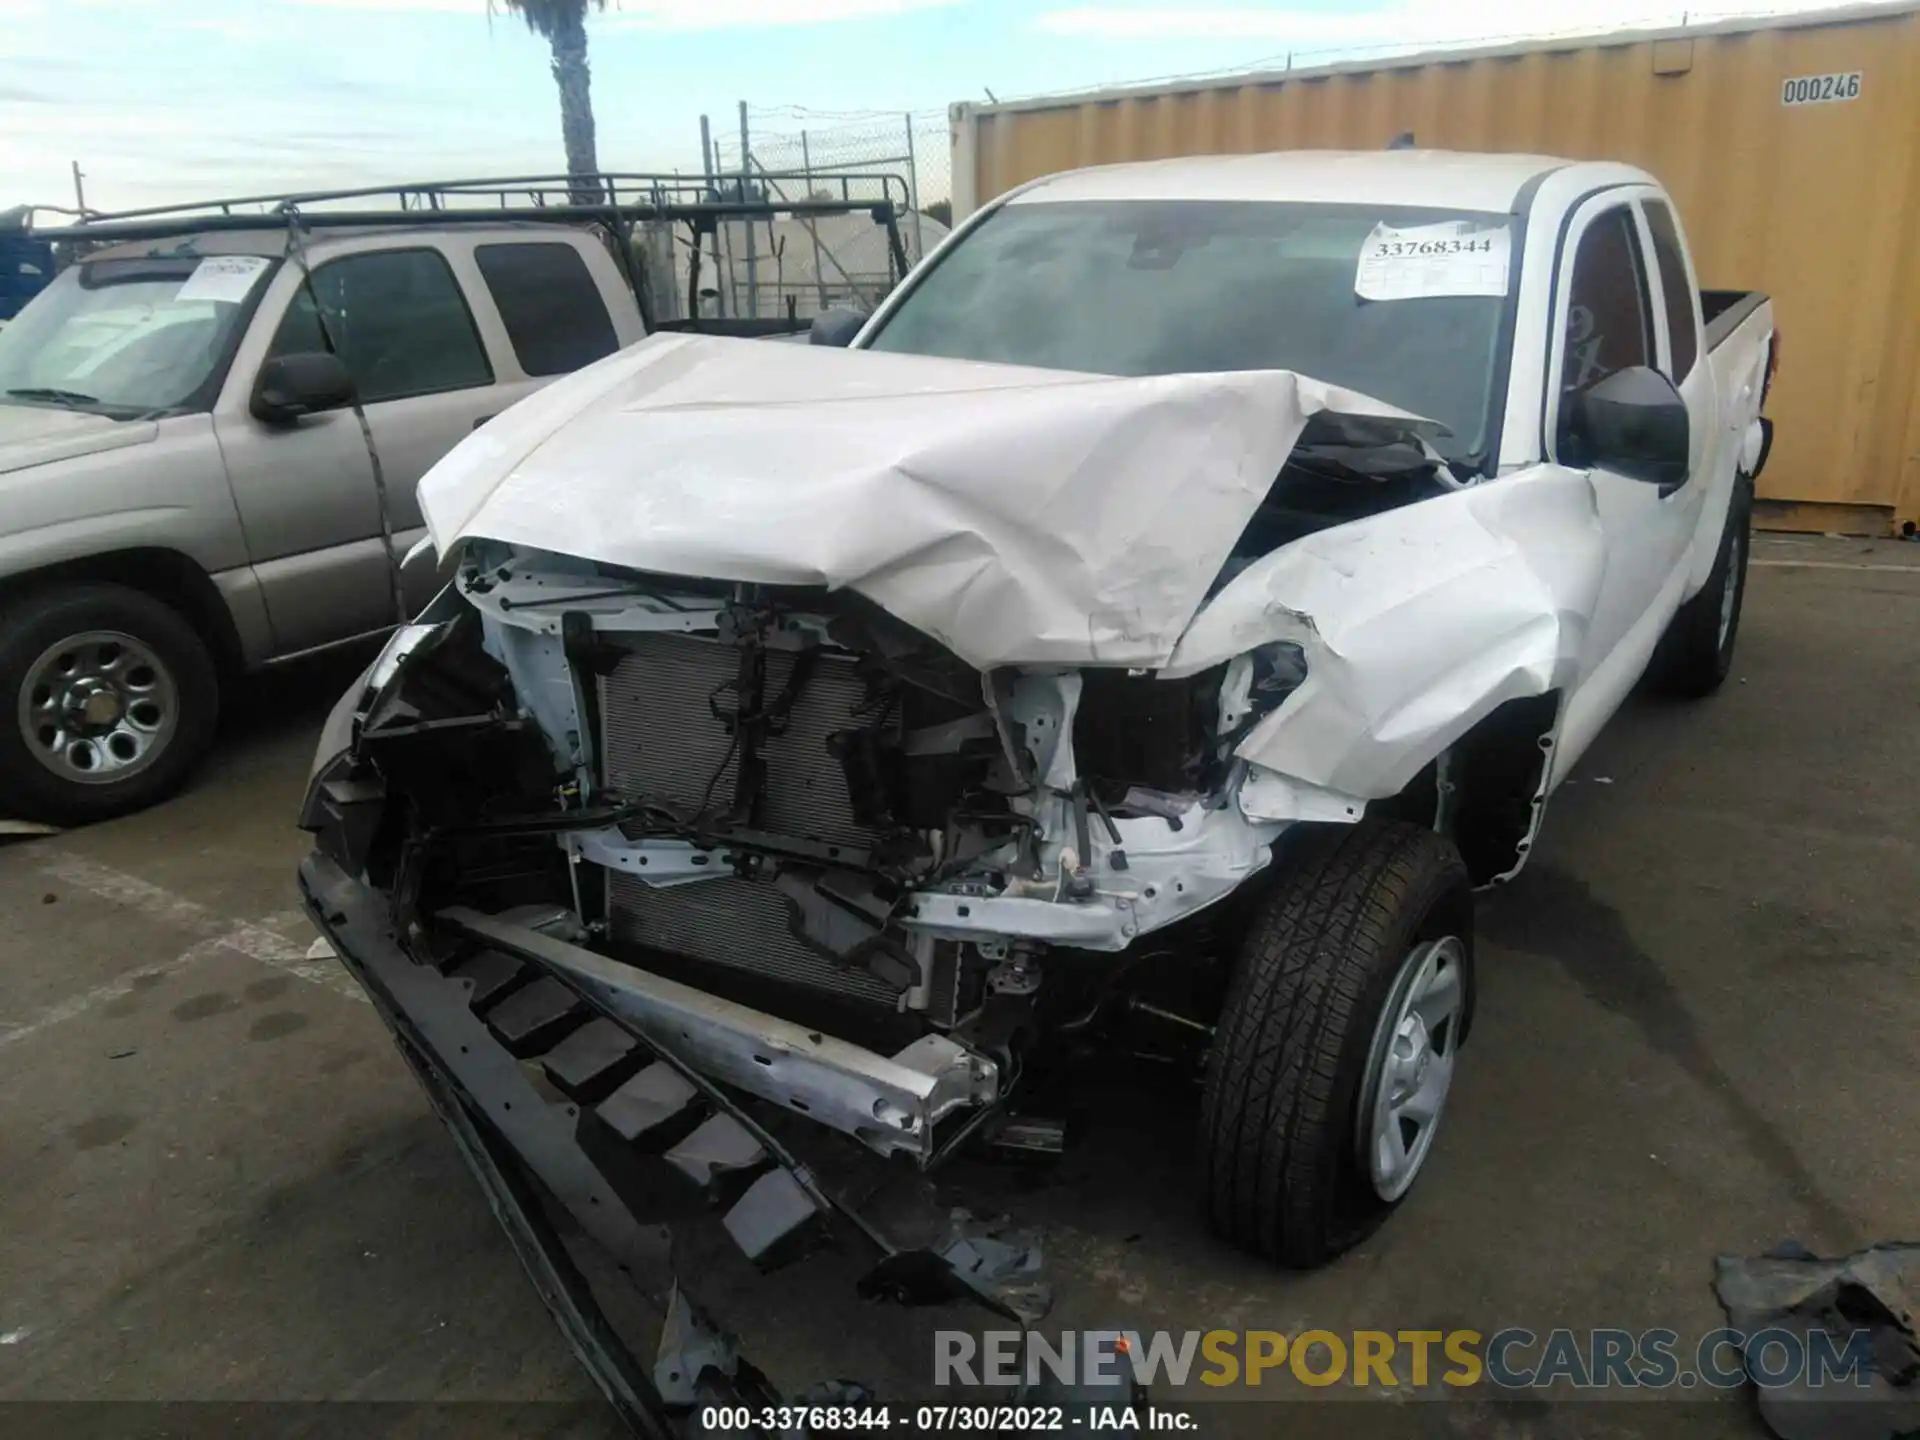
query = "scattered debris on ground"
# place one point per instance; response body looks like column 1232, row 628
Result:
column 1792, row 1299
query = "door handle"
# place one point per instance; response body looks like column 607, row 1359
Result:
column 481, row 421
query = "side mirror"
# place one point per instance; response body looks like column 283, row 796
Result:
column 836, row 327
column 1634, row 421
column 291, row 386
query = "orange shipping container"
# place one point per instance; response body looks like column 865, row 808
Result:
column 1792, row 145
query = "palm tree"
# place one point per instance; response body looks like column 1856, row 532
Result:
column 563, row 25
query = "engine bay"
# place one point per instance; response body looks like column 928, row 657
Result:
column 785, row 798
column 792, row 802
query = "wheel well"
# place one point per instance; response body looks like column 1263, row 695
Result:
column 1494, row 774
column 166, row 575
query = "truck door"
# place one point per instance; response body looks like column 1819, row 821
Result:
column 1682, row 356
column 306, row 493
column 1606, row 321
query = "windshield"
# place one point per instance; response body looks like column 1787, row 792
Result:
column 124, row 337
column 1166, row 287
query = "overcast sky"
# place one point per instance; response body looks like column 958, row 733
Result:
column 175, row 99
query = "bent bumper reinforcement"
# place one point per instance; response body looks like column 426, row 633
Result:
column 530, row 1151
column 890, row 1104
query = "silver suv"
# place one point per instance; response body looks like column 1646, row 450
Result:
column 188, row 492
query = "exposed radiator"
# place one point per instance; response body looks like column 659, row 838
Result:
column 738, row 923
column 659, row 740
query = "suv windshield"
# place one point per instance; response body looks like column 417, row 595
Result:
column 116, row 338
column 1166, row 287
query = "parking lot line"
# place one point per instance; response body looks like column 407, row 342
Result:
column 1832, row 565
column 253, row 940
column 75, row 1005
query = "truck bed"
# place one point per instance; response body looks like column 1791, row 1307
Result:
column 1723, row 310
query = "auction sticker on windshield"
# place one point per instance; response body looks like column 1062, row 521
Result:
column 1454, row 257
column 222, row 277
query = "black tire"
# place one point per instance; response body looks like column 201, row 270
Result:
column 1695, row 654
column 1283, row 1169
column 33, row 623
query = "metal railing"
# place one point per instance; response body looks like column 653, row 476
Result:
column 638, row 213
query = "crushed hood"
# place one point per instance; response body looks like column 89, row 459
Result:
column 41, row 434
column 1019, row 516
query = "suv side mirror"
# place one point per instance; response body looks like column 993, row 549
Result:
column 836, row 327
column 291, row 386
column 1633, row 421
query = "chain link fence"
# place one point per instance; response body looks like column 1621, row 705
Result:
column 801, row 266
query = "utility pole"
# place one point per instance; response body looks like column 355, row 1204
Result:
column 813, row 229
column 723, row 234
column 746, row 170
column 79, row 189
column 913, row 197
column 707, row 153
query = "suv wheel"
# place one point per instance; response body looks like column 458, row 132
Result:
column 109, row 700
column 1336, row 1047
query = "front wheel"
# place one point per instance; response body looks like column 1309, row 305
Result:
column 1336, row 1047
column 111, row 699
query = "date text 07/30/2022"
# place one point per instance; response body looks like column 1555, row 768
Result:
column 938, row 1419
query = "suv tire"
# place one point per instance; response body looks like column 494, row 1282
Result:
column 108, row 700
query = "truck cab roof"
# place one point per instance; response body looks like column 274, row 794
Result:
column 1437, row 179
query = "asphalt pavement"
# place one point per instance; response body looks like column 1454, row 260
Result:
column 1698, row 1034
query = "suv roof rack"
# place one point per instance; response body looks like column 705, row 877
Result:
column 616, row 200
column 609, row 196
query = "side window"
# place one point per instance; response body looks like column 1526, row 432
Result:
column 1608, row 327
column 1681, row 327
column 398, row 320
column 552, row 309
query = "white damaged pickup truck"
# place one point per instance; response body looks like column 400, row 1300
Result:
column 1189, row 587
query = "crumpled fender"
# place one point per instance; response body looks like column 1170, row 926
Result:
column 1416, row 624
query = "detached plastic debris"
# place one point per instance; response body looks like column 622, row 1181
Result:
column 690, row 1346
column 1856, row 1323
column 1002, row 1267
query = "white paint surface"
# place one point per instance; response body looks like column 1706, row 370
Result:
column 1017, row 515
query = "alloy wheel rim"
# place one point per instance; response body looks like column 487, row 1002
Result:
column 1412, row 1063
column 98, row 708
